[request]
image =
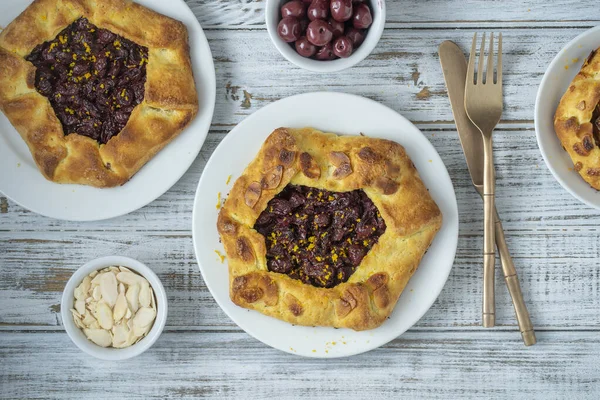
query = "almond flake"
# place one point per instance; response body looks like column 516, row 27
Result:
column 80, row 306
column 99, row 336
column 120, row 307
column 144, row 317
column 108, row 288
column 133, row 295
column 129, row 278
column 104, row 315
column 145, row 296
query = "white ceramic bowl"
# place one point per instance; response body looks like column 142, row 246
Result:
column 273, row 16
column 78, row 337
column 555, row 83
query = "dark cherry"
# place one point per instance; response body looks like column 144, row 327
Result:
column 318, row 9
column 294, row 8
column 289, row 29
column 356, row 35
column 337, row 28
column 341, row 10
column 325, row 53
column 342, row 47
column 362, row 17
column 319, row 32
column 305, row 48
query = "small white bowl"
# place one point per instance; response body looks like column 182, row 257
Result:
column 555, row 83
column 273, row 16
column 79, row 338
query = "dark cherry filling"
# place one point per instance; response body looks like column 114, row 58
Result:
column 92, row 77
column 317, row 236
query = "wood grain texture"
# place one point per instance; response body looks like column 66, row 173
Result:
column 230, row 365
column 554, row 239
column 403, row 72
column 403, row 14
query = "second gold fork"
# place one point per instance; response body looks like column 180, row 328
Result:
column 483, row 104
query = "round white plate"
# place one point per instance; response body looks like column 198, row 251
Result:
column 21, row 181
column 338, row 113
column 555, row 83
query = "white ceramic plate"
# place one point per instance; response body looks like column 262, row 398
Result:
column 338, row 113
column 555, row 83
column 21, row 181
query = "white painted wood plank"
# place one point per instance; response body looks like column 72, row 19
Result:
column 557, row 271
column 407, row 13
column 228, row 365
column 403, row 72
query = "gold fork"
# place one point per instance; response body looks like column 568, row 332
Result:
column 483, row 103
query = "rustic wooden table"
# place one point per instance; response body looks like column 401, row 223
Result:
column 554, row 238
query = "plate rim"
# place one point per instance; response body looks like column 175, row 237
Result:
column 210, row 286
column 538, row 129
column 202, row 46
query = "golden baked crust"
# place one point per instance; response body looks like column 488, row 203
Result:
column 170, row 102
column 383, row 170
column 575, row 117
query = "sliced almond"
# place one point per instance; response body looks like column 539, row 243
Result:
column 124, row 269
column 252, row 194
column 133, row 296
column 141, row 331
column 114, row 270
column 88, row 319
column 342, row 171
column 79, row 323
column 108, row 288
column 120, row 307
column 91, row 306
column 120, row 335
column 82, row 290
column 96, row 293
column 144, row 317
column 129, row 278
column 96, row 280
column 99, row 336
column 94, row 325
column 338, row 158
column 80, row 306
column 153, row 299
column 121, row 288
column 272, row 177
column 145, row 296
column 75, row 313
column 89, row 299
column 128, row 314
column 93, row 274
column 104, row 315
column 131, row 338
column 309, row 166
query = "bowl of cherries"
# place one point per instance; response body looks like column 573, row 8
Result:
column 325, row 35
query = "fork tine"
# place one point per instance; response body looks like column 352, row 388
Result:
column 490, row 63
column 499, row 67
column 471, row 67
column 480, row 66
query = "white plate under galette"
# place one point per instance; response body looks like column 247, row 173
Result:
column 22, row 182
column 342, row 114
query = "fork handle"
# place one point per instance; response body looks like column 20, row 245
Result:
column 489, row 257
column 514, row 288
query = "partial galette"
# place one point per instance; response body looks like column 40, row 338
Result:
column 95, row 88
column 577, row 121
column 326, row 230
